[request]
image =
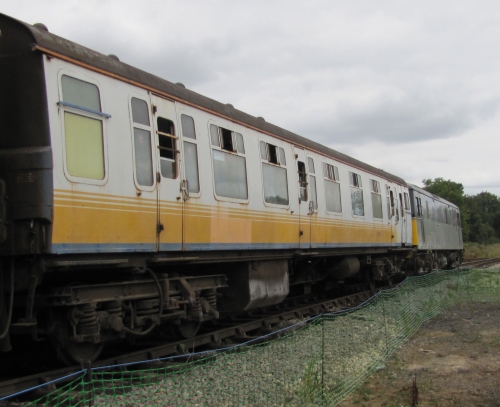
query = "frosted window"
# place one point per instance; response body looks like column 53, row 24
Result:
column 314, row 195
column 191, row 164
column 263, row 151
column 377, row 205
column 188, row 126
column 275, row 184
column 230, row 175
column 214, row 135
column 140, row 113
column 80, row 93
column 310, row 164
column 358, row 206
column 143, row 158
column 333, row 199
column 240, row 147
column 84, row 146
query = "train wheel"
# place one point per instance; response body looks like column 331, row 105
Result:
column 69, row 351
column 73, row 353
column 188, row 329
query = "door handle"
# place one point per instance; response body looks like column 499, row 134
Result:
column 185, row 189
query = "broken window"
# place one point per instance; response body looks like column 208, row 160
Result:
column 302, row 181
column 358, row 205
column 167, row 146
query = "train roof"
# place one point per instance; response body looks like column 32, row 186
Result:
column 431, row 195
column 62, row 48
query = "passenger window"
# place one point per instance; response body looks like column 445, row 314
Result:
column 190, row 154
column 167, row 147
column 301, row 167
column 142, row 143
column 188, row 129
column 407, row 201
column 419, row 207
column 388, row 196
column 376, row 199
column 312, row 182
column 229, row 163
column 226, row 139
column 83, row 128
column 274, row 176
column 358, row 205
column 332, row 188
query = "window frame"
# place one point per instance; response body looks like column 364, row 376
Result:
column 152, row 138
column 195, row 142
column 84, row 112
column 278, row 146
column 356, row 182
column 375, row 188
column 312, row 175
column 234, row 152
column 175, row 150
column 335, row 173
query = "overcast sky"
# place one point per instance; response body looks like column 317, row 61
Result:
column 409, row 87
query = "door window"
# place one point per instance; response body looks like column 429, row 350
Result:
column 190, row 154
column 143, row 158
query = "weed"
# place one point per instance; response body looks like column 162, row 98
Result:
column 311, row 387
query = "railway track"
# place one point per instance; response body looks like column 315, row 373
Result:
column 480, row 263
column 251, row 328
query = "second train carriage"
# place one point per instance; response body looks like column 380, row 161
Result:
column 132, row 202
column 437, row 231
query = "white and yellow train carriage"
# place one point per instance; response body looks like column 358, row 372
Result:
column 136, row 169
column 163, row 205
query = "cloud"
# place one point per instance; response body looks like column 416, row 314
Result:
column 401, row 78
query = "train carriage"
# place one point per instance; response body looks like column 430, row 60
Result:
column 131, row 202
column 437, row 231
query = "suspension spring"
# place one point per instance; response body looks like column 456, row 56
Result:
column 211, row 296
column 87, row 321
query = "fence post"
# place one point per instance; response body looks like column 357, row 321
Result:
column 322, row 359
column 89, row 384
column 385, row 324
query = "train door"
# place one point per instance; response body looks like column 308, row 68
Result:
column 392, row 206
column 305, row 204
column 403, row 222
column 406, row 211
column 168, row 177
column 193, row 224
column 144, row 221
column 313, row 201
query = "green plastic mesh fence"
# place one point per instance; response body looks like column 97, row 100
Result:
column 315, row 363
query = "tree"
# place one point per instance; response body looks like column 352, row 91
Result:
column 484, row 209
column 449, row 190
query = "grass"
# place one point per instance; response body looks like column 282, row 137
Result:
column 479, row 251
